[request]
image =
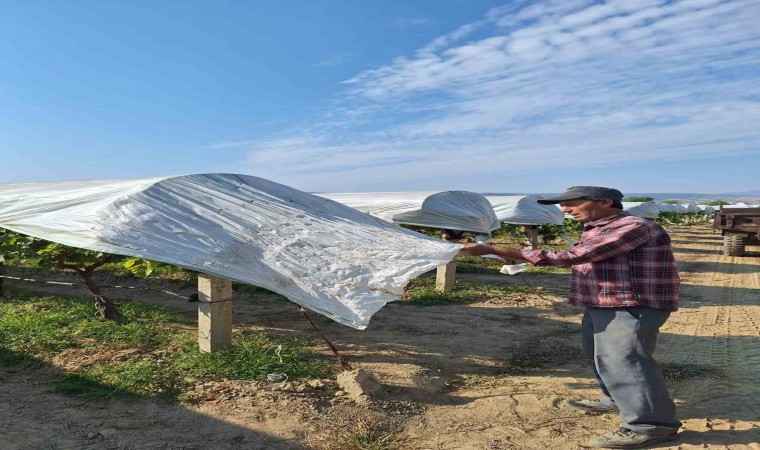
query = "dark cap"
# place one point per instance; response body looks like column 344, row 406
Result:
column 577, row 192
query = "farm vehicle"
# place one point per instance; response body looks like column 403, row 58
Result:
column 737, row 226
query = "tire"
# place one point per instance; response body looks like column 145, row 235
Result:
column 733, row 244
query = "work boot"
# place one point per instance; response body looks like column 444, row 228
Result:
column 593, row 406
column 625, row 438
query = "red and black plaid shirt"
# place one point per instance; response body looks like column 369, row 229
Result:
column 621, row 261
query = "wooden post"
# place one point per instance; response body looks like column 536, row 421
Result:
column 445, row 277
column 214, row 313
column 532, row 232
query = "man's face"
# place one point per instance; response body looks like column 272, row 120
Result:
column 585, row 210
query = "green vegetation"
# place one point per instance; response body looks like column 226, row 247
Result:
column 368, row 436
column 638, row 199
column 671, row 202
column 717, row 203
column 542, row 352
column 675, row 372
column 477, row 264
column 155, row 354
column 33, row 252
column 422, row 292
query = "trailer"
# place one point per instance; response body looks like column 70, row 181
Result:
column 737, row 226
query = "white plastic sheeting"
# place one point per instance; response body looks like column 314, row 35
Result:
column 513, row 209
column 455, row 210
column 740, row 205
column 320, row 254
column 524, row 210
column 691, row 208
column 706, row 209
column 646, row 210
column 668, row 207
column 371, row 201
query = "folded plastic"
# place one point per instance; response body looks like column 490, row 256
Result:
column 647, row 210
column 318, row 253
column 524, row 210
column 396, row 206
column 454, row 210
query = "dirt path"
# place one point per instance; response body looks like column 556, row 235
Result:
column 449, row 373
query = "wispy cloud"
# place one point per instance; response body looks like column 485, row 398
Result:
column 537, row 85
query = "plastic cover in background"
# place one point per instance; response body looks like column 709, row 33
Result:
column 524, row 210
column 369, row 201
column 454, row 210
column 669, row 207
column 691, row 208
column 646, row 210
column 318, row 253
column 707, row 209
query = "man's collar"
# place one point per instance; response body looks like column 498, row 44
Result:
column 606, row 220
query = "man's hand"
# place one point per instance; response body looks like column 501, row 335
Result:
column 509, row 256
column 474, row 249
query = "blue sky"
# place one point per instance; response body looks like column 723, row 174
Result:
column 521, row 96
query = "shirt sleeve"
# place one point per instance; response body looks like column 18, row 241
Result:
column 612, row 241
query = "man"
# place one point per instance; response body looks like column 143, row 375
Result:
column 625, row 276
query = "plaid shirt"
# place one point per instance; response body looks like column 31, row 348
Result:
column 621, row 261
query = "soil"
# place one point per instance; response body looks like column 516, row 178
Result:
column 454, row 376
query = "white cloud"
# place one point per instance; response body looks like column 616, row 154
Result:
column 544, row 85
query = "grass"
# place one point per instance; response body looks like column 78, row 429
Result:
column 547, row 269
column 541, row 352
column 368, row 436
column 567, row 330
column 421, row 292
column 676, row 372
column 153, row 355
column 477, row 264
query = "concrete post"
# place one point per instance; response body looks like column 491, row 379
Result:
column 445, row 277
column 214, row 313
column 532, row 232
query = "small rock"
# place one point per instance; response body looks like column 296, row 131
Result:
column 362, row 400
column 434, row 385
column 340, row 393
column 92, row 435
column 107, row 432
column 301, row 388
column 359, row 383
column 316, row 384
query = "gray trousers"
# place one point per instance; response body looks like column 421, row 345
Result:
column 621, row 342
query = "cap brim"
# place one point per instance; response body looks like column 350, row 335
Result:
column 555, row 200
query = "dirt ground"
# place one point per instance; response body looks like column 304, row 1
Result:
column 445, row 370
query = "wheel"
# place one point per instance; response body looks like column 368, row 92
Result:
column 733, row 244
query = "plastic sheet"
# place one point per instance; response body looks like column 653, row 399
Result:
column 454, row 210
column 512, row 209
column 524, row 210
column 646, row 210
column 318, row 253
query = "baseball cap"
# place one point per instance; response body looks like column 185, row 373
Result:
column 577, row 192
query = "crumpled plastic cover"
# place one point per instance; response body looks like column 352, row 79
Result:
column 706, row 209
column 524, row 210
column 647, row 210
column 668, row 207
column 513, row 209
column 318, row 253
column 453, row 210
